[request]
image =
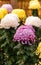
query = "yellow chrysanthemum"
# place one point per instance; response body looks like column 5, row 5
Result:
column 34, row 4
column 1, row 15
column 38, row 51
column 3, row 12
column 21, row 13
column 39, row 62
column 40, row 55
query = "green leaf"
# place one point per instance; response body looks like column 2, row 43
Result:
column 3, row 45
column 9, row 63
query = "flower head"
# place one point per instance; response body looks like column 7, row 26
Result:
column 21, row 13
column 34, row 4
column 25, row 34
column 10, row 20
column 38, row 51
column 39, row 62
column 3, row 12
column 34, row 21
column 8, row 7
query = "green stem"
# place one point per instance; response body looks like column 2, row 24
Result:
column 34, row 12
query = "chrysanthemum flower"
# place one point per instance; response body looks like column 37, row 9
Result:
column 21, row 13
column 3, row 12
column 25, row 34
column 39, row 62
column 1, row 15
column 8, row 7
column 38, row 51
column 10, row 20
column 34, row 21
column 34, row 4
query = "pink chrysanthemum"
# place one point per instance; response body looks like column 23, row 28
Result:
column 25, row 34
column 8, row 7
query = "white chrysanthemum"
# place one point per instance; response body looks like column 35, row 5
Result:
column 34, row 21
column 10, row 20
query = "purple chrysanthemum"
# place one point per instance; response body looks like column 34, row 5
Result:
column 25, row 34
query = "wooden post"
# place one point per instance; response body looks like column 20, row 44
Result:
column 14, row 3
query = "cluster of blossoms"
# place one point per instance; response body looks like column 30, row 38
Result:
column 25, row 34
column 8, row 7
column 5, row 9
